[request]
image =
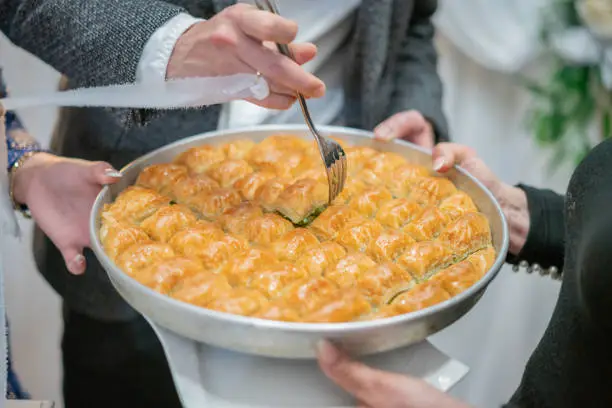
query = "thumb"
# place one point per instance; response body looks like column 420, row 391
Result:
column 446, row 155
column 406, row 125
column 103, row 173
column 74, row 259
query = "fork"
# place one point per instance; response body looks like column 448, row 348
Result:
column 332, row 153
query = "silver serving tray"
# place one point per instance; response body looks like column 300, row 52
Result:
column 296, row 340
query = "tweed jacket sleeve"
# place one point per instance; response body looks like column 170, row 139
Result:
column 418, row 85
column 93, row 42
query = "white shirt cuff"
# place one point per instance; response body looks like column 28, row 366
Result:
column 155, row 57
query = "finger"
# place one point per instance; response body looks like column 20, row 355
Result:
column 266, row 26
column 103, row 173
column 446, row 155
column 404, row 125
column 275, row 101
column 302, row 53
column 74, row 259
column 278, row 68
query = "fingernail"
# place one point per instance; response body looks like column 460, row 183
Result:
column 76, row 266
column 383, row 133
column 328, row 354
column 439, row 163
column 112, row 173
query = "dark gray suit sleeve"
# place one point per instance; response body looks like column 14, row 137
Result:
column 418, row 85
column 93, row 42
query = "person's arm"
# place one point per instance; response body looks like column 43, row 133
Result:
column 93, row 42
column 418, row 85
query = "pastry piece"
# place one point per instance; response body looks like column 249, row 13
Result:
column 140, row 256
column 266, row 229
column 422, row 259
column 303, row 200
column 420, row 297
column 212, row 204
column 215, row 253
column 134, row 204
column 162, row 276
column 483, row 260
column 348, row 270
column 272, row 279
column 347, row 305
column 201, row 288
column 251, row 183
column 317, row 259
column 240, row 301
column 305, row 295
column 430, row 190
column 400, row 181
column 268, row 193
column 385, row 163
column 186, row 188
column 458, row 277
column 398, row 212
column 190, row 241
column 369, row 201
column 278, row 310
column 332, row 220
column 357, row 234
column 467, row 234
column 200, row 158
column 371, row 178
column 242, row 266
column 382, row 279
column 167, row 221
column 227, row 172
column 427, row 225
column 352, row 188
column 161, row 177
column 234, row 220
column 317, row 173
column 457, row 205
column 357, row 156
column 238, row 149
column 291, row 245
column 117, row 237
column 389, row 245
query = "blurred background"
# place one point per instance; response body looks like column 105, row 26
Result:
column 484, row 53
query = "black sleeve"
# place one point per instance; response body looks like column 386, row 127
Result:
column 546, row 237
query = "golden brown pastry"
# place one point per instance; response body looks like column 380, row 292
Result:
column 401, row 180
column 268, row 193
column 483, row 260
column 458, row 277
column 234, row 220
column 291, row 245
column 457, row 205
column 422, row 259
column 187, row 187
column 332, row 220
column 191, row 240
column 200, row 158
column 430, row 190
column 305, row 295
column 385, row 163
column 383, row 278
column 348, row 305
column 398, row 212
column 116, row 237
column 161, row 177
column 278, row 310
column 346, row 272
column 317, row 259
column 251, row 183
column 266, row 229
column 427, row 225
column 212, row 204
column 240, row 301
column 238, row 149
column 164, row 275
column 357, row 156
column 272, row 279
column 201, row 288
column 357, row 234
column 352, row 187
column 227, row 172
column 242, row 266
column 369, row 201
column 389, row 245
column 422, row 296
column 467, row 234
column 301, row 200
column 135, row 204
column 140, row 256
column 167, row 221
column 214, row 254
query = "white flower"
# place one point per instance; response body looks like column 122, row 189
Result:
column 597, row 15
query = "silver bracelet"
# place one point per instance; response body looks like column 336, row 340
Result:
column 553, row 271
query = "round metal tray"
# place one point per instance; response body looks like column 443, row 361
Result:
column 296, row 340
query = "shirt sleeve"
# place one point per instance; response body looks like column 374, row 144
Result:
column 156, row 54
